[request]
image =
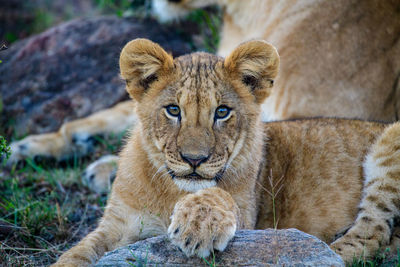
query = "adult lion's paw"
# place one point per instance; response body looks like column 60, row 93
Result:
column 202, row 222
column 347, row 249
column 100, row 174
column 34, row 146
column 363, row 240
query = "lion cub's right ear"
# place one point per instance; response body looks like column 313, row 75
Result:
column 142, row 63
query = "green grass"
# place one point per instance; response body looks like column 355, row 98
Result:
column 110, row 143
column 211, row 262
column 209, row 23
column 45, row 208
column 125, row 8
column 382, row 259
column 4, row 148
column 138, row 261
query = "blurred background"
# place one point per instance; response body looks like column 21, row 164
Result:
column 20, row 19
column 97, row 28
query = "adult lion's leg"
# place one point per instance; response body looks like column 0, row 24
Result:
column 49, row 145
column 119, row 226
column 380, row 203
column 99, row 175
column 74, row 138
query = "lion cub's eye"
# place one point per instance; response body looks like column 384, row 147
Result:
column 173, row 110
column 222, row 112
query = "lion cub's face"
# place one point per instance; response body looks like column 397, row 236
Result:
column 197, row 121
column 196, row 110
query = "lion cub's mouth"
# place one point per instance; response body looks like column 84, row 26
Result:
column 194, row 176
column 193, row 181
column 191, row 176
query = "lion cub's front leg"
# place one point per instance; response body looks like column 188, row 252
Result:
column 120, row 225
column 204, row 221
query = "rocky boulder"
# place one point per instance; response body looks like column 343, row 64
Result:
column 71, row 70
column 269, row 247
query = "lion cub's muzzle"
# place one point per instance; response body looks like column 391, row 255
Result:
column 196, row 165
column 195, row 178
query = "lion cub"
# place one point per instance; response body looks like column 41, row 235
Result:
column 200, row 164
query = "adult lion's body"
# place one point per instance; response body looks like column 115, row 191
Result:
column 201, row 164
column 339, row 58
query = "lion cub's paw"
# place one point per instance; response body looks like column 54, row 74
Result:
column 201, row 224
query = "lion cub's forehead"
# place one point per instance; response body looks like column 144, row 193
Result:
column 191, row 63
column 199, row 74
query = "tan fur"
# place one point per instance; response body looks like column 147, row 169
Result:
column 312, row 170
column 99, row 175
column 339, row 58
column 74, row 138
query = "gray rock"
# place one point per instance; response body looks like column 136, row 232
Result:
column 71, row 70
column 269, row 247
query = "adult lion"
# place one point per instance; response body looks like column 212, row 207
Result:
column 339, row 58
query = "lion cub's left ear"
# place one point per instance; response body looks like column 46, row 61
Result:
column 254, row 64
column 143, row 62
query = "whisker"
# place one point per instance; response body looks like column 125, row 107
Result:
column 158, row 171
column 230, row 170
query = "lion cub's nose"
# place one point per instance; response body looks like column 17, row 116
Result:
column 194, row 160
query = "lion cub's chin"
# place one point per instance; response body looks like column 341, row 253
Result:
column 193, row 185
